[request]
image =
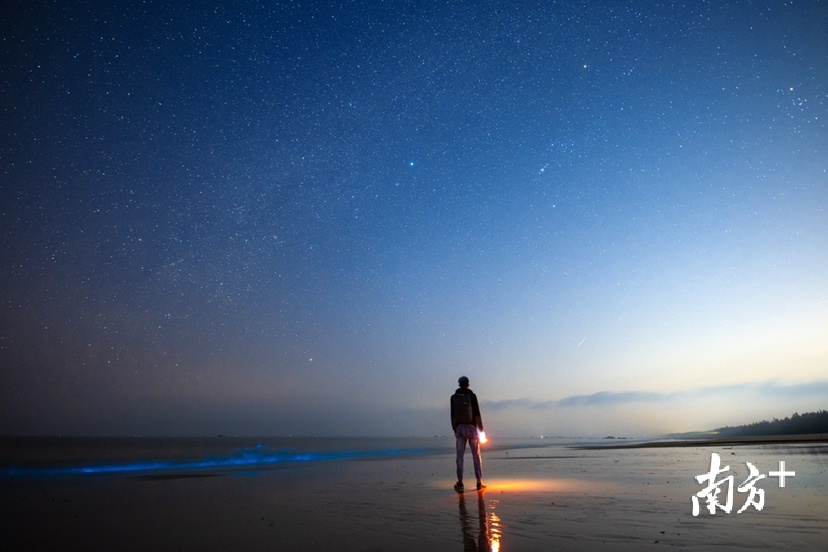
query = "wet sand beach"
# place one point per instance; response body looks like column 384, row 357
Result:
column 541, row 497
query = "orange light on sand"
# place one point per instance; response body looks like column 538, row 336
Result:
column 495, row 531
column 543, row 485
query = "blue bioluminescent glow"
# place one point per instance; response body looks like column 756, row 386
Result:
column 259, row 456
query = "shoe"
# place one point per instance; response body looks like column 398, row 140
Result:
column 480, row 486
column 458, row 486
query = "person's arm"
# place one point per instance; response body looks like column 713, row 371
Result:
column 478, row 420
column 453, row 420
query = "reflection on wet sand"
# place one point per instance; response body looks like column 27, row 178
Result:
column 485, row 534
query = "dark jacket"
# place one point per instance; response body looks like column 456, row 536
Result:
column 478, row 420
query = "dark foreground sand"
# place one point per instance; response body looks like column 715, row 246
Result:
column 547, row 498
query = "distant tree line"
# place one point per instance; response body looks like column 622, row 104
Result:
column 797, row 424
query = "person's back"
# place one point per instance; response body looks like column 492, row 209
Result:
column 462, row 411
column 466, row 422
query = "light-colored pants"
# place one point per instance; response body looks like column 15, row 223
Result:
column 463, row 433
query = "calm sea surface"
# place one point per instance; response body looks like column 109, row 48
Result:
column 33, row 457
column 71, row 456
column 396, row 494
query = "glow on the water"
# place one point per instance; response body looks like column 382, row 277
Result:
column 259, row 456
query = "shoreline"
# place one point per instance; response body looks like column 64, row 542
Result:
column 713, row 441
column 560, row 498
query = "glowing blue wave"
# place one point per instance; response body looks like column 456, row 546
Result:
column 260, row 456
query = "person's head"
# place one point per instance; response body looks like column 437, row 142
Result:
column 464, row 382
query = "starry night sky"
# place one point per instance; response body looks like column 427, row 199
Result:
column 309, row 218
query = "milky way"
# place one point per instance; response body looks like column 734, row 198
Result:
column 311, row 218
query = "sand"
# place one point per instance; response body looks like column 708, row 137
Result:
column 543, row 498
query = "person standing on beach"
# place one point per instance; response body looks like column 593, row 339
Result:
column 466, row 422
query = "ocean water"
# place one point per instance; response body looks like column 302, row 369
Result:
column 33, row 457
column 396, row 494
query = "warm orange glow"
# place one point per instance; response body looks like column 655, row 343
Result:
column 547, row 485
column 483, row 438
column 495, row 531
column 484, row 530
column 516, row 485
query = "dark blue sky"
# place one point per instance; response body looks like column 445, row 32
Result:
column 311, row 218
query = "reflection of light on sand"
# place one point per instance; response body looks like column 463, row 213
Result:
column 545, row 485
column 483, row 531
column 495, row 531
column 517, row 485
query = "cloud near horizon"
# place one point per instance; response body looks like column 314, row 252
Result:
column 615, row 398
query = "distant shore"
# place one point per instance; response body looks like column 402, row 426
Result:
column 711, row 441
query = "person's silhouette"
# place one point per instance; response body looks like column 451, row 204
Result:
column 466, row 422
